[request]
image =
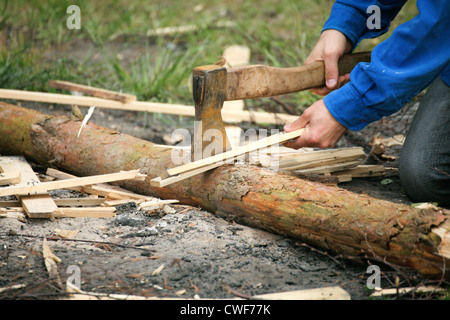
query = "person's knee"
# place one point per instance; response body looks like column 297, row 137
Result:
column 423, row 182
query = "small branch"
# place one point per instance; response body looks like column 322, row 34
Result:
column 11, row 234
column 289, row 109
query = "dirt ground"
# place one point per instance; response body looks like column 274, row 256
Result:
column 185, row 252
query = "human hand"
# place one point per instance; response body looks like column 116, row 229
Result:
column 321, row 129
column 330, row 47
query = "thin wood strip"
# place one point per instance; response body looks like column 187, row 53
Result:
column 69, row 202
column 304, row 165
column 72, row 202
column 157, row 203
column 362, row 171
column 241, row 150
column 292, row 160
column 160, row 183
column 97, row 212
column 330, row 168
column 93, row 91
column 9, row 204
column 74, row 182
column 105, row 190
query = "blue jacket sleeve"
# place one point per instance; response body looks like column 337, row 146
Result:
column 350, row 17
column 417, row 52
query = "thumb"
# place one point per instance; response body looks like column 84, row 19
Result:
column 301, row 122
column 331, row 69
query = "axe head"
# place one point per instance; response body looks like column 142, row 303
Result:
column 209, row 91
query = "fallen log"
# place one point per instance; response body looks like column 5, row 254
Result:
column 324, row 216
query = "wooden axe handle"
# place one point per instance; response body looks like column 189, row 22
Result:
column 258, row 81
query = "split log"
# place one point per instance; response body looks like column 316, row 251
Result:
column 326, row 217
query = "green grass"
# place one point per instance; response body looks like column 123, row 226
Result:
column 36, row 45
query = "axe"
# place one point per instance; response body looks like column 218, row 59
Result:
column 214, row 84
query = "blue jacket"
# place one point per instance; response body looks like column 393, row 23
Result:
column 416, row 53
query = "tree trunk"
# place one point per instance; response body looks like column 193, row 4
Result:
column 327, row 217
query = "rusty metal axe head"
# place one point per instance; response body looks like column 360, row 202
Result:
column 209, row 91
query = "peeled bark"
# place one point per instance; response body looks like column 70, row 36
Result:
column 327, row 217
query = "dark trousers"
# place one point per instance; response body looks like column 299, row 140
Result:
column 424, row 166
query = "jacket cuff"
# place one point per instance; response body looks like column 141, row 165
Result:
column 346, row 106
column 348, row 20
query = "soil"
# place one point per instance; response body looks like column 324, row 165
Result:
column 185, row 252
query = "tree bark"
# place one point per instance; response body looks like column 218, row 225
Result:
column 327, row 217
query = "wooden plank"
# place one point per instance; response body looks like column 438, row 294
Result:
column 8, row 173
column 105, row 190
column 67, row 202
column 73, row 202
column 92, row 91
column 97, row 212
column 74, row 182
column 36, row 206
column 9, row 204
column 110, row 192
column 174, row 109
column 13, row 209
column 231, row 154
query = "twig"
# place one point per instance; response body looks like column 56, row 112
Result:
column 321, row 252
column 441, row 171
column 289, row 109
column 106, row 243
column 236, row 293
column 194, row 286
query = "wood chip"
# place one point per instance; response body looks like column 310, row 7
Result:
column 67, row 234
column 50, row 260
column 158, row 270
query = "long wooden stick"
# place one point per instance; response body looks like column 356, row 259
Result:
column 155, row 107
column 61, row 184
column 92, row 91
column 260, row 144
